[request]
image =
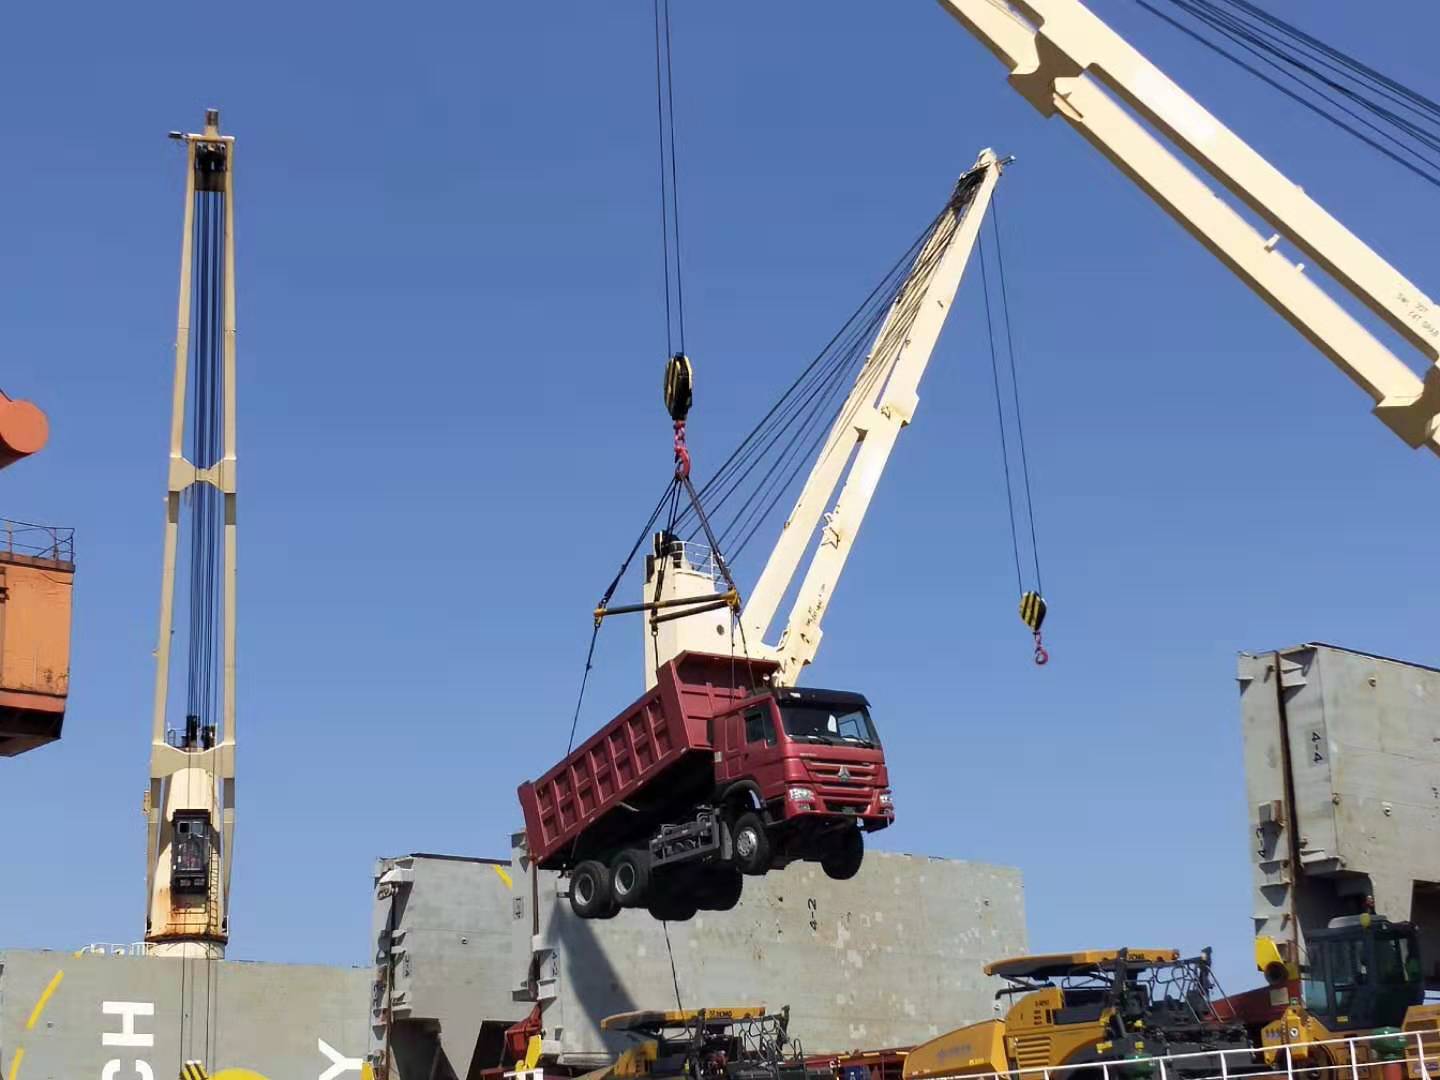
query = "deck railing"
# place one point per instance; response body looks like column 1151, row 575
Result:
column 37, row 541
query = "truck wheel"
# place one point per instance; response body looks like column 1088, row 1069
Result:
column 752, row 844
column 672, row 909
column 630, row 877
column 610, row 912
column 721, row 889
column 842, row 862
column 590, row 895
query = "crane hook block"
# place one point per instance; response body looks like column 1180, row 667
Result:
column 1032, row 610
column 679, row 387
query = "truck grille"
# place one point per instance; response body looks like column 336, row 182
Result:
column 841, row 774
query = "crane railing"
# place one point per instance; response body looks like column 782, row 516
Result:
column 50, row 542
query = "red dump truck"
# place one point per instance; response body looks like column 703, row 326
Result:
column 710, row 775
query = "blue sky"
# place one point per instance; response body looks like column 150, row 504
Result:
column 451, row 345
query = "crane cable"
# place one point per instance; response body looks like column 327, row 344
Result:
column 790, row 434
column 1392, row 119
column 205, row 508
column 669, row 183
column 1032, row 601
column 678, row 388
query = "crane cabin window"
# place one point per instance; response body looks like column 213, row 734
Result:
column 190, row 853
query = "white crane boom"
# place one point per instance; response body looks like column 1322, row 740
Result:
column 858, row 447
column 190, row 804
column 1065, row 60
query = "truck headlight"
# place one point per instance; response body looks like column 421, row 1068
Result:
column 802, row 795
column 886, row 799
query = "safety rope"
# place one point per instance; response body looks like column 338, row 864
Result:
column 604, row 602
column 1032, row 601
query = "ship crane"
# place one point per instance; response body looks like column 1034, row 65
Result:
column 190, row 804
column 880, row 404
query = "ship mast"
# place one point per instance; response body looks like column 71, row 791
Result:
column 190, row 805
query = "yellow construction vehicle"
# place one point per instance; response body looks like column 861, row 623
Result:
column 743, row 1043
column 1363, row 977
column 1078, row 1011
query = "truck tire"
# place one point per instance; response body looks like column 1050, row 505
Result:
column 672, row 909
column 842, row 862
column 720, row 889
column 630, row 877
column 590, row 895
column 752, row 844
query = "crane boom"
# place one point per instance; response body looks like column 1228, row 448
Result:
column 881, row 403
column 856, row 450
column 1064, row 60
column 190, row 804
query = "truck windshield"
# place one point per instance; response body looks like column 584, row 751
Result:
column 829, row 723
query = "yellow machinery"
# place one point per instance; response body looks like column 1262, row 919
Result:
column 706, row 1044
column 1079, row 1010
column 1363, row 976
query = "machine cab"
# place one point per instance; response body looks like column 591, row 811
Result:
column 1362, row 972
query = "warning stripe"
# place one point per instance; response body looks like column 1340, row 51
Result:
column 1032, row 610
column 193, row 1070
column 45, row 997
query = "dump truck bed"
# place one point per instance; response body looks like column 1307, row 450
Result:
column 634, row 750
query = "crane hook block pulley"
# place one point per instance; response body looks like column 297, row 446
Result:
column 679, row 387
column 1032, row 610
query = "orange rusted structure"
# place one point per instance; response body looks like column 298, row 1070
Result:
column 23, row 430
column 37, row 570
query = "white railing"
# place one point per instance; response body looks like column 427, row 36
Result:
column 699, row 557
column 40, row 541
column 1295, row 1061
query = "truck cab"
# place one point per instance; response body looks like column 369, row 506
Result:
column 810, row 760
